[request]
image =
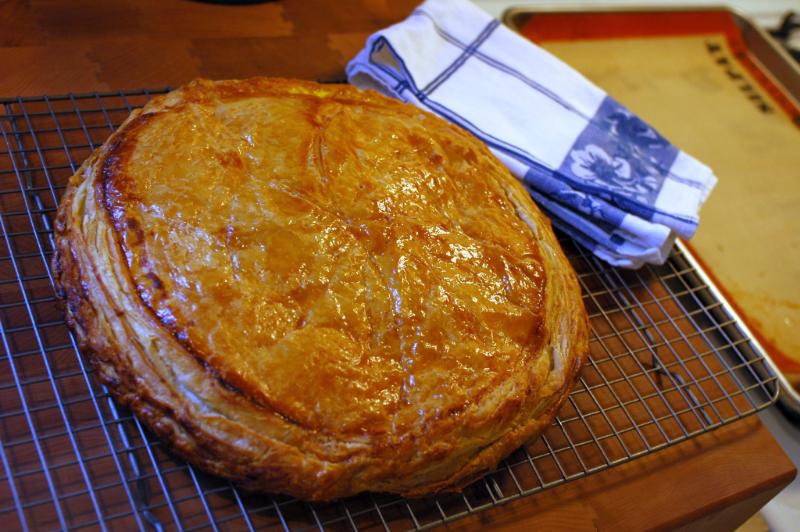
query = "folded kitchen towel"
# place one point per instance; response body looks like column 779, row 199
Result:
column 602, row 174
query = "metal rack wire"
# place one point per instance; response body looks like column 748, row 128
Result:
column 668, row 362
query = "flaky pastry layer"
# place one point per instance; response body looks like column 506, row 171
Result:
column 318, row 291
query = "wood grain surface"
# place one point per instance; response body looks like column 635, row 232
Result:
column 714, row 482
column 51, row 47
column 56, row 46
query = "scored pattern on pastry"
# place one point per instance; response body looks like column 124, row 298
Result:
column 318, row 291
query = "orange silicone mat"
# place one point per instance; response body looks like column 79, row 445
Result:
column 691, row 75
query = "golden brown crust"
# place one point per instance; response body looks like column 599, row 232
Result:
column 315, row 290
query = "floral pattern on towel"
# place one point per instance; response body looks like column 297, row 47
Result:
column 620, row 153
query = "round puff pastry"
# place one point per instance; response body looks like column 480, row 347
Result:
column 317, row 291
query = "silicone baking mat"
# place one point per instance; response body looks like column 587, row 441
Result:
column 719, row 88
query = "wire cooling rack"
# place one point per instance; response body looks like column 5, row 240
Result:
column 668, row 362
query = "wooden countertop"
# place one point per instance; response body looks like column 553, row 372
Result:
column 56, row 47
column 50, row 47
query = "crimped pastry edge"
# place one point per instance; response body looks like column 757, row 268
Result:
column 104, row 334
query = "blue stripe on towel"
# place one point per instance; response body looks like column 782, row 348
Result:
column 461, row 59
column 499, row 65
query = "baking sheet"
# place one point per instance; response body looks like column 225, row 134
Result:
column 715, row 86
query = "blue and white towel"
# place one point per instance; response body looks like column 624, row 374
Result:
column 602, row 174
